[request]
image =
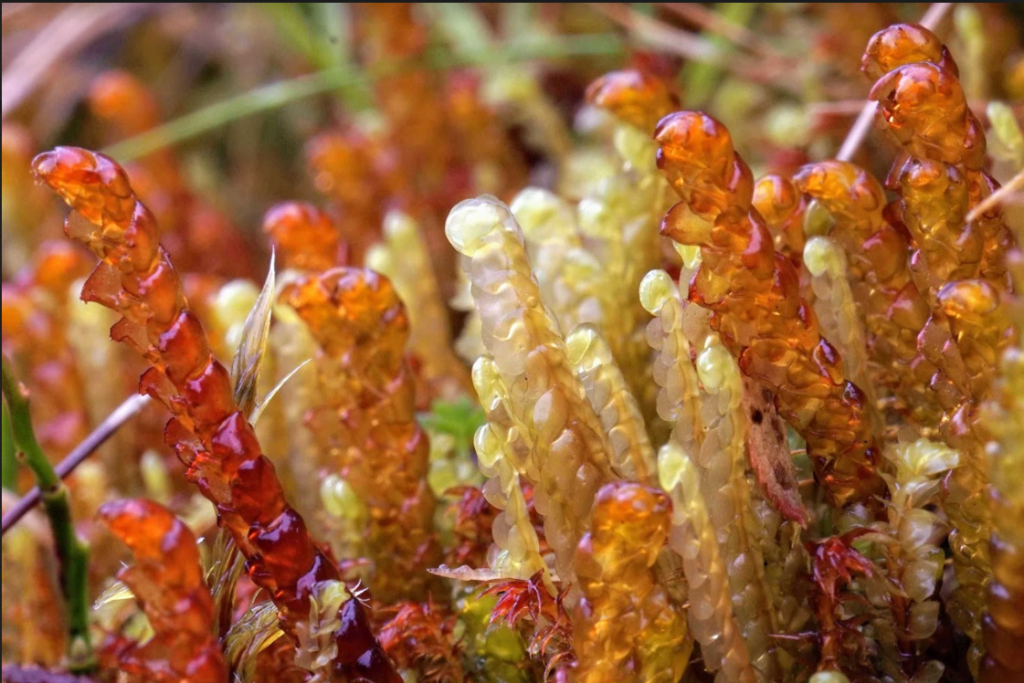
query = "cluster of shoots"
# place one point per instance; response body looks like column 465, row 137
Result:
column 697, row 425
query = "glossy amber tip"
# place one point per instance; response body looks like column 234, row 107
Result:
column 633, row 96
column 900, row 44
column 93, row 184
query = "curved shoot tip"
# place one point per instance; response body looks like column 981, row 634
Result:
column 656, row 289
column 473, row 220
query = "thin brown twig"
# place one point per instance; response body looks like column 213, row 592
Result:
column 714, row 22
column 692, row 46
column 1003, row 193
column 28, row 17
column 124, row 412
column 859, row 132
column 11, row 9
column 72, row 29
column 853, row 107
column 683, row 43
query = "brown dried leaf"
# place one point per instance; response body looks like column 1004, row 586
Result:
column 769, row 455
column 465, row 573
column 245, row 368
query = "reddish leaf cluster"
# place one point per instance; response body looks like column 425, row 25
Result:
column 528, row 604
column 473, row 519
column 835, row 564
column 420, row 637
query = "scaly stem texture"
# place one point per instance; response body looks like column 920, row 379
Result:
column 704, row 401
column 610, row 397
column 569, row 276
column 209, row 433
column 569, row 454
column 306, row 240
column 779, row 202
column 1003, row 626
column 693, row 538
column 620, row 219
column 626, row 627
column 365, row 421
column 913, row 559
column 753, row 294
column 502, row 453
column 890, row 305
column 962, row 266
column 835, row 307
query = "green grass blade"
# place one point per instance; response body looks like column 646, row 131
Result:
column 72, row 554
column 281, row 93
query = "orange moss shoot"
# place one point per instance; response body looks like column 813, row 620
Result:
column 353, row 171
column 304, row 237
column 626, row 627
column 167, row 580
column 753, row 294
column 211, row 436
column 893, row 309
column 960, row 264
column 779, row 202
column 410, row 96
column 199, row 237
column 633, row 96
column 365, row 421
